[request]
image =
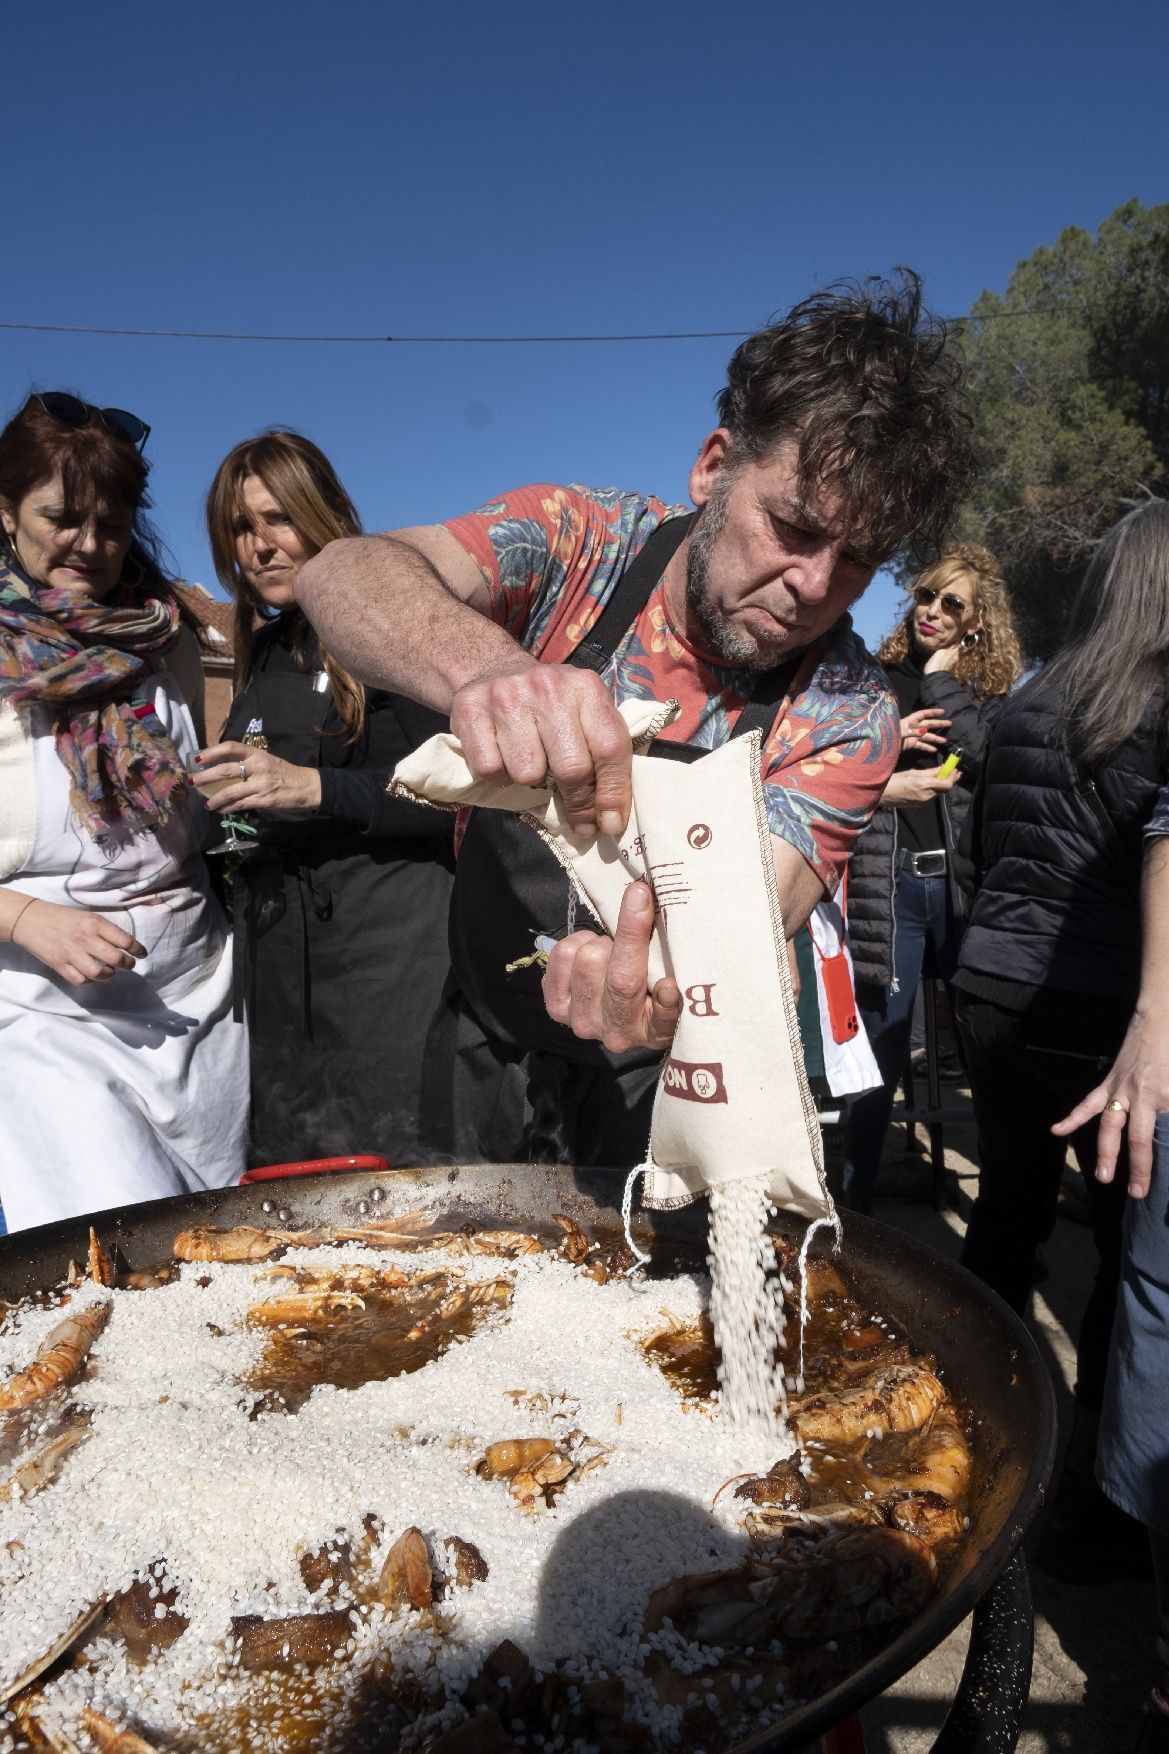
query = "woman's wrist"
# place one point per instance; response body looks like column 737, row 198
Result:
column 15, row 913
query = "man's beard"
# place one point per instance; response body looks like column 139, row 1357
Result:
column 730, row 643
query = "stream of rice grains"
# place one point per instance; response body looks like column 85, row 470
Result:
column 400, row 1487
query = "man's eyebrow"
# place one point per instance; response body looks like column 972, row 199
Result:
column 797, row 511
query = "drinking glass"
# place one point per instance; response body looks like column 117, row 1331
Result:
column 239, row 834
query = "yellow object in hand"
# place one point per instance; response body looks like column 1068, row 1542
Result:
column 950, row 765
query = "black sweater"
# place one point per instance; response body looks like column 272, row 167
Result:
column 872, row 871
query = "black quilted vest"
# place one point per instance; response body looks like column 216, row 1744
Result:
column 1057, row 856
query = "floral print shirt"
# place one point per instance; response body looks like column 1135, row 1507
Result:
column 552, row 556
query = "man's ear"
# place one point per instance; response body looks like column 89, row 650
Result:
column 710, row 459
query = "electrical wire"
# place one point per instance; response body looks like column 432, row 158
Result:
column 435, row 340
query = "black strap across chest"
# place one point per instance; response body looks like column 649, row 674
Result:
column 633, row 591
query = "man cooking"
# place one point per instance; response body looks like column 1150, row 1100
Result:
column 842, row 439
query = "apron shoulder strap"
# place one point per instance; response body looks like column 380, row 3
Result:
column 759, row 712
column 631, row 595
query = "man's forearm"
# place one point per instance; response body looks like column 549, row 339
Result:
column 383, row 611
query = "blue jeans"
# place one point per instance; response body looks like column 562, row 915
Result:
column 926, row 937
column 1132, row 1461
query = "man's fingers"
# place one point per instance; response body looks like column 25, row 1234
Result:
column 558, row 976
column 521, row 748
column 589, row 756
column 612, row 754
column 623, row 1001
column 474, row 726
column 664, row 1014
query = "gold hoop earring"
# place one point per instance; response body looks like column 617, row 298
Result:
column 125, row 579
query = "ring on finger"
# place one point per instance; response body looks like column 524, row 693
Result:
column 1116, row 1107
column 243, row 770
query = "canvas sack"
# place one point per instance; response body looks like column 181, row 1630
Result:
column 732, row 1099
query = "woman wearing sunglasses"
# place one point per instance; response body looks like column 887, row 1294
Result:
column 341, row 907
column 125, row 1077
column 950, row 660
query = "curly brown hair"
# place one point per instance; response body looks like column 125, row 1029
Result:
column 875, row 392
column 993, row 663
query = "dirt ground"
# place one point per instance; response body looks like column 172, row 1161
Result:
column 1094, row 1654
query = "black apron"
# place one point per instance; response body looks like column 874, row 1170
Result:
column 504, row 1082
column 340, row 940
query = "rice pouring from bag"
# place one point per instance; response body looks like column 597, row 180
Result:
column 733, row 1115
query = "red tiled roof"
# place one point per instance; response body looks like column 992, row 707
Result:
column 214, row 614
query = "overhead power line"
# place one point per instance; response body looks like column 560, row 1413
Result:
column 434, row 340
column 396, row 340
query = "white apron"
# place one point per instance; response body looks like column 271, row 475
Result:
column 133, row 1087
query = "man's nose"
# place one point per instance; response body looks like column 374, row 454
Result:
column 810, row 576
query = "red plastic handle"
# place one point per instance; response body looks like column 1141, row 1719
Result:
column 271, row 1172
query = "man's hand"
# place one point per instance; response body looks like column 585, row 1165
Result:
column 599, row 986
column 78, row 945
column 917, row 785
column 542, row 724
column 924, row 729
column 1139, row 1081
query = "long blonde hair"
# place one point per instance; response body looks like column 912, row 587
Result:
column 304, row 483
column 992, row 663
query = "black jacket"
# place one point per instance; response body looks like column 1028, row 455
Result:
column 872, row 870
column 1057, row 856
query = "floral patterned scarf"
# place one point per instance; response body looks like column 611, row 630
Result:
column 85, row 659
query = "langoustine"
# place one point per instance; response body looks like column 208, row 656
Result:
column 59, row 1360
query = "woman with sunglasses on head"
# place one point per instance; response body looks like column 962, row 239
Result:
column 341, row 908
column 951, row 659
column 125, row 1077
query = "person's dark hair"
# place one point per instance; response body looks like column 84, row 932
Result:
column 97, row 467
column 873, row 389
column 1113, row 669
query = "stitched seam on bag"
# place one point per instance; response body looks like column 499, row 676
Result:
column 779, row 947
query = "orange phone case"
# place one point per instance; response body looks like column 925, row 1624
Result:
column 841, row 999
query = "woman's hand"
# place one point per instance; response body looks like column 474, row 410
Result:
column 924, row 729
column 917, row 785
column 944, row 658
column 259, row 780
column 1139, row 1082
column 78, row 945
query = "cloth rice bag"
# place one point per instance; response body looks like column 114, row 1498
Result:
column 732, row 1099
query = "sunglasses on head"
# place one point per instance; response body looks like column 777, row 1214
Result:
column 72, row 411
column 954, row 606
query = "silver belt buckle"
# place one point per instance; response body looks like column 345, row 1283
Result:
column 928, row 864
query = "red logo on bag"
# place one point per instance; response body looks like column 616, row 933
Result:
column 699, row 836
column 693, row 1081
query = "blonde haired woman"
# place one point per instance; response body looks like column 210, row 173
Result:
column 951, row 659
column 341, row 909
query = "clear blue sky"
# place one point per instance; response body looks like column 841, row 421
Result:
column 516, row 167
